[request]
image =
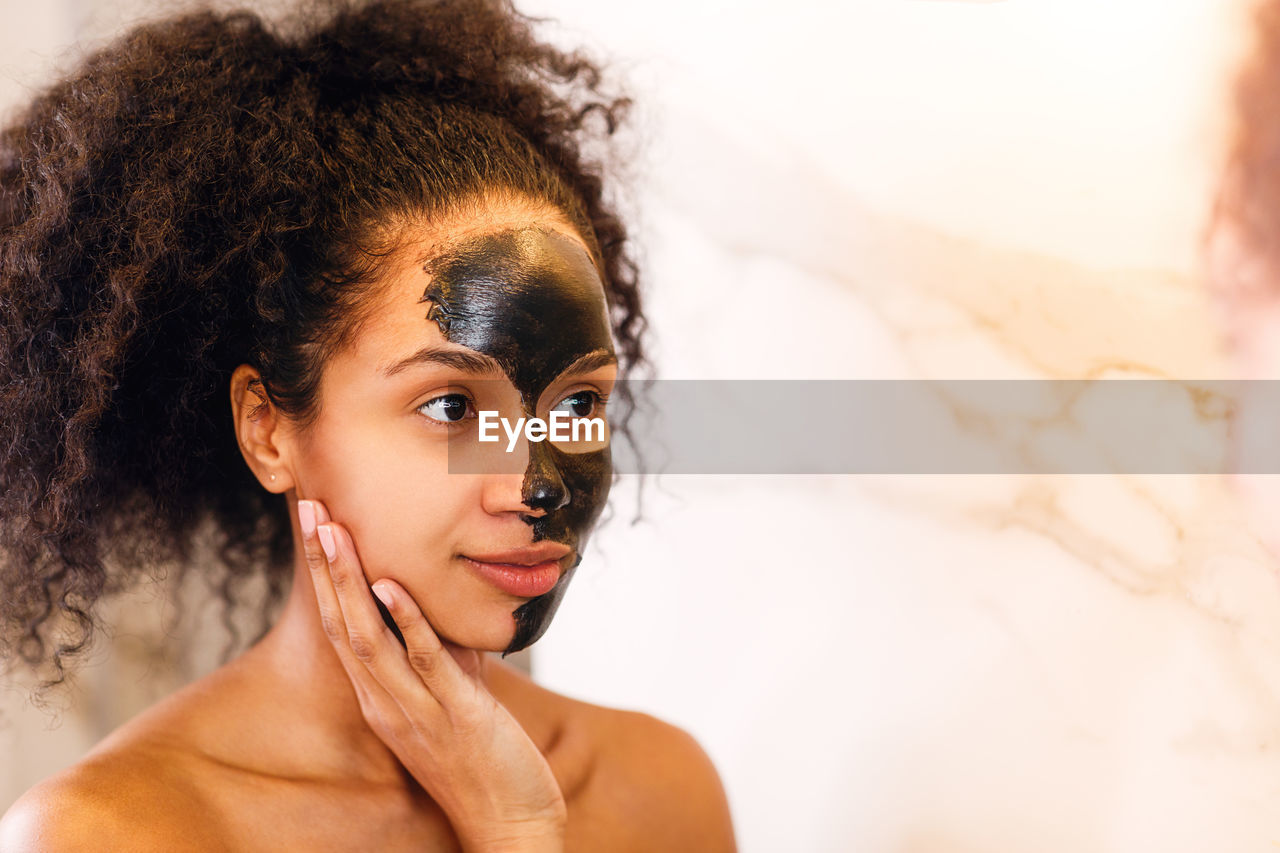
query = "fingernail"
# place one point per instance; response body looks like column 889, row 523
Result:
column 384, row 594
column 326, row 541
column 306, row 517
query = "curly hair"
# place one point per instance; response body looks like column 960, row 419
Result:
column 208, row 191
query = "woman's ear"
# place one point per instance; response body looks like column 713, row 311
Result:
column 261, row 431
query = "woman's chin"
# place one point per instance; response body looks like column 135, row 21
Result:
column 492, row 635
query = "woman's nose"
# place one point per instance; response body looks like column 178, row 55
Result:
column 543, row 489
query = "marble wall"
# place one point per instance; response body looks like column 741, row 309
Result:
column 936, row 189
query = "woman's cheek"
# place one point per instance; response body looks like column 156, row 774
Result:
column 363, row 482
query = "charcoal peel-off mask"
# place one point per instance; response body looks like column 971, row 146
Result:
column 532, row 300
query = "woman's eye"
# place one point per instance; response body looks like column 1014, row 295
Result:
column 581, row 404
column 447, row 409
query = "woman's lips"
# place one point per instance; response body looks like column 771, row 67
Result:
column 521, row 581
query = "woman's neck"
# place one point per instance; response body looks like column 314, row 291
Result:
column 307, row 678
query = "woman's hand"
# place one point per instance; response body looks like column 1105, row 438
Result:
column 425, row 701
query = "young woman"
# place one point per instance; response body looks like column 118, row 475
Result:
column 255, row 285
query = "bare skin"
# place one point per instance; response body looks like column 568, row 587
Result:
column 272, row 752
column 263, row 755
column 328, row 734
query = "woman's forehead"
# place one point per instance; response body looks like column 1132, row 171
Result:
column 530, row 299
column 502, row 276
column 518, row 291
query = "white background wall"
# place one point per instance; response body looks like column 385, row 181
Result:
column 944, row 190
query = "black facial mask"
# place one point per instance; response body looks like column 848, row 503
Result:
column 533, row 301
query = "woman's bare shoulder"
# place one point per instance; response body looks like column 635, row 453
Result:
column 630, row 763
column 139, row 789
column 120, row 799
column 653, row 768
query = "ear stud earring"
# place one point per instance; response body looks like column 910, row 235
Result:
column 273, row 476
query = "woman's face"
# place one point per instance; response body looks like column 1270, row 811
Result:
column 507, row 319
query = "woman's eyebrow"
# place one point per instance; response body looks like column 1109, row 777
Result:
column 590, row 361
column 469, row 362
